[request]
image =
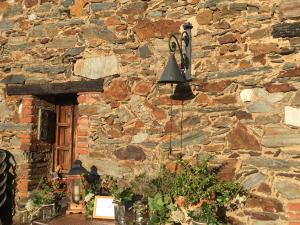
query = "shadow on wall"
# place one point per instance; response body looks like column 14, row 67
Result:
column 7, row 182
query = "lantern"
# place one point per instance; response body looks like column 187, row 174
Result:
column 75, row 180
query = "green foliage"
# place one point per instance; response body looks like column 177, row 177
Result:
column 198, row 182
column 121, row 194
column 89, row 207
column 160, row 208
column 205, row 214
column 199, row 186
column 46, row 193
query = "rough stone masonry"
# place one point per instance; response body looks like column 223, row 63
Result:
column 246, row 70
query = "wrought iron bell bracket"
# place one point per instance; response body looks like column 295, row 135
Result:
column 174, row 43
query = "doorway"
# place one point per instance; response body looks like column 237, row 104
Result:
column 64, row 128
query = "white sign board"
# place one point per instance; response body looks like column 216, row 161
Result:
column 104, row 207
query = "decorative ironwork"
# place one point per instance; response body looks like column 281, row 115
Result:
column 172, row 72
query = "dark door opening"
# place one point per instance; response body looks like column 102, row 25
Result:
column 65, row 128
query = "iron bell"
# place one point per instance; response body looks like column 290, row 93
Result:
column 183, row 92
column 172, row 73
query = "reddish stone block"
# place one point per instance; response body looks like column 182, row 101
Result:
column 88, row 99
column 203, row 99
column 78, row 8
column 227, row 38
column 26, row 120
column 24, row 136
column 82, row 144
column 263, row 48
column 146, row 29
column 82, row 151
column 27, row 111
column 27, row 101
column 30, row 3
column 82, row 132
column 225, row 100
column 22, row 185
column 166, row 100
column 215, row 87
column 295, row 206
column 294, row 223
column 121, row 27
column 240, row 138
column 113, row 21
column 171, row 126
column 264, row 188
column 118, row 90
column 114, row 104
column 142, row 88
column 272, row 88
column 295, row 72
column 159, row 114
column 139, row 124
column 293, row 216
column 114, row 133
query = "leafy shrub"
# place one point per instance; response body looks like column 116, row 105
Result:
column 199, row 187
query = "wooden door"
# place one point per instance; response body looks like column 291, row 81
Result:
column 64, row 142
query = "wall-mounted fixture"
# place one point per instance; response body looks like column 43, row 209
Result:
column 180, row 75
column 173, row 74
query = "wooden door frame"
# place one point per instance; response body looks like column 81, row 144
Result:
column 73, row 138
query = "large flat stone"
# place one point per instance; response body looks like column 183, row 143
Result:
column 288, row 189
column 63, row 42
column 280, row 140
column 45, row 30
column 99, row 6
column 15, row 127
column 274, row 164
column 194, row 138
column 95, row 109
column 130, row 152
column 261, row 106
column 45, row 69
column 14, row 79
column 253, row 180
column 97, row 67
column 109, row 167
column 94, row 32
column 289, row 9
column 237, row 73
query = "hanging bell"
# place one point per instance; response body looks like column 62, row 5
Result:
column 172, row 74
column 183, row 92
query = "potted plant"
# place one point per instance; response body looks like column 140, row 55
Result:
column 190, row 195
column 43, row 201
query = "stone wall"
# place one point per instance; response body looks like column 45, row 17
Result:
column 246, row 81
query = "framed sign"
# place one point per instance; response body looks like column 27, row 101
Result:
column 104, row 207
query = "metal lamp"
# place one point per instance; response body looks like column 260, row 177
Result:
column 75, row 188
column 173, row 74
